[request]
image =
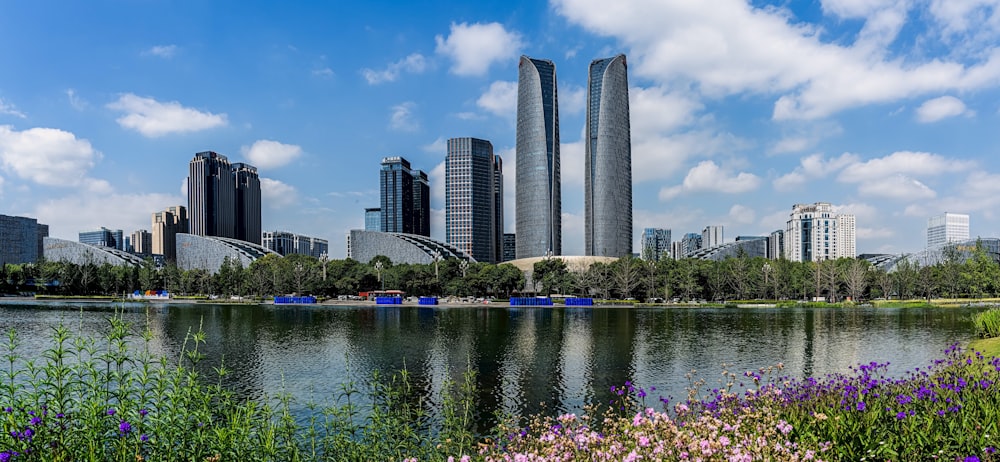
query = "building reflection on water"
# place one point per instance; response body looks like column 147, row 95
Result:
column 525, row 360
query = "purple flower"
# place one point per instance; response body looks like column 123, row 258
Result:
column 900, row 415
column 35, row 421
column 861, row 406
column 972, row 459
column 124, row 427
column 111, row 411
column 143, row 412
column 144, row 438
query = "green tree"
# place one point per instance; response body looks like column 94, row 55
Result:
column 550, row 273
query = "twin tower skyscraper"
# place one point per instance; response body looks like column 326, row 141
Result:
column 607, row 161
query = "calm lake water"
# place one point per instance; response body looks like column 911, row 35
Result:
column 559, row 358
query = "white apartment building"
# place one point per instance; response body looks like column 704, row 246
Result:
column 711, row 236
column 945, row 228
column 815, row 232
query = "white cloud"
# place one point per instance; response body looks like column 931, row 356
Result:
column 46, row 156
column 943, row 107
column 10, row 109
column 162, row 51
column 742, row 214
column 572, row 100
column 812, row 167
column 69, row 215
column 732, row 46
column 402, row 118
column 74, row 100
column 323, row 72
column 708, row 177
column 897, row 186
column 902, row 162
column 500, row 99
column 414, row 63
column 438, row 146
column 473, row 48
column 152, row 118
column 266, row 154
column 275, row 194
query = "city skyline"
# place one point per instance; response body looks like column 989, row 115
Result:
column 886, row 110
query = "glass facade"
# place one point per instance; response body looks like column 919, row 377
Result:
column 608, row 161
column 247, row 203
column 405, row 198
column 373, row 219
column 104, row 237
column 538, row 197
column 211, row 195
column 19, row 239
column 471, row 198
column 655, row 244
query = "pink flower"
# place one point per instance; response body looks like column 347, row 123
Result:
column 643, row 441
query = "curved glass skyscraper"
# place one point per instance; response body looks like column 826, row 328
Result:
column 608, row 161
column 539, row 203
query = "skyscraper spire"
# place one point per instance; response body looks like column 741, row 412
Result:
column 538, row 196
column 608, row 161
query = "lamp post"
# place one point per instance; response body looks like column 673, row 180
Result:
column 378, row 270
column 323, row 257
column 767, row 271
column 436, row 257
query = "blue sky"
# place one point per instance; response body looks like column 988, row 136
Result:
column 889, row 109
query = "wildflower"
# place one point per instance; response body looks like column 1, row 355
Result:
column 35, row 421
column 124, row 427
column 900, row 415
column 111, row 411
column 861, row 406
column 143, row 412
column 972, row 459
column 144, row 437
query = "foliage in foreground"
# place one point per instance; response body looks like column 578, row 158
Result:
column 111, row 399
column 987, row 323
column 948, row 411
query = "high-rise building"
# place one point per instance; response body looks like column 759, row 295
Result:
column 498, row 207
column 373, row 219
column 286, row 243
column 104, row 237
column 421, row 204
column 945, row 228
column 166, row 225
column 538, row 197
column 20, row 239
column 247, row 203
column 509, row 247
column 816, row 232
column 405, row 198
column 776, row 245
column 712, row 236
column 212, row 195
column 223, row 198
column 608, row 161
column 141, row 242
column 690, row 244
column 655, row 244
column 471, row 198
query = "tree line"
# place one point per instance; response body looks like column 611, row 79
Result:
column 267, row 276
column 737, row 278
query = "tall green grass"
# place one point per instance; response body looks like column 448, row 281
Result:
column 111, row 399
column 987, row 323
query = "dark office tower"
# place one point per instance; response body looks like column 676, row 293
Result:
column 396, row 185
column 608, row 161
column 247, row 203
column 539, row 203
column 212, row 196
column 470, row 198
column 498, row 207
column 421, row 204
